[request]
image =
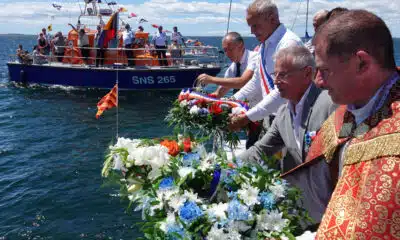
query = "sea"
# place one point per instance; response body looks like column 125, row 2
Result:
column 52, row 149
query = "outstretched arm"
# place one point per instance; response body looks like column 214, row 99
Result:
column 236, row 82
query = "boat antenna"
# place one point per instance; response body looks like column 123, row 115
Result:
column 295, row 18
column 306, row 34
column 229, row 16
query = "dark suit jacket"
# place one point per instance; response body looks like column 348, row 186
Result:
column 315, row 181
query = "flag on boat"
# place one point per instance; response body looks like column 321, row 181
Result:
column 142, row 20
column 131, row 15
column 50, row 28
column 58, row 7
column 110, row 100
column 109, row 31
column 122, row 9
column 154, row 25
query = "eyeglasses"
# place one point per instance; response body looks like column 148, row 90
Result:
column 284, row 75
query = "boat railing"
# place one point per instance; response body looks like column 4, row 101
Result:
column 182, row 56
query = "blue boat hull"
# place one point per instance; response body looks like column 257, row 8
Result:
column 129, row 79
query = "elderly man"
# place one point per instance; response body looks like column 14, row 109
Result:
column 263, row 19
column 296, row 122
column 319, row 18
column 240, row 71
column 355, row 60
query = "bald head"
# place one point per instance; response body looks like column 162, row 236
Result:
column 355, row 30
column 233, row 46
column 319, row 18
column 233, row 37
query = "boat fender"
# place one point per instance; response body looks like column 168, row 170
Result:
column 22, row 77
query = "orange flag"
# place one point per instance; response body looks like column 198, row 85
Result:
column 108, row 101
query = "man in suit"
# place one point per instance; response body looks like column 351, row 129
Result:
column 295, row 125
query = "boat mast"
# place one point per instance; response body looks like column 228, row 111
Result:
column 306, row 35
column 229, row 16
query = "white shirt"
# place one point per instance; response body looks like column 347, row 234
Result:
column 297, row 116
column 177, row 36
column 160, row 39
column 267, row 104
column 128, row 37
column 248, row 61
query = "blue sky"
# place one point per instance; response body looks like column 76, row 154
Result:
column 194, row 18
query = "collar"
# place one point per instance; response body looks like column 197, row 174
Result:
column 276, row 35
column 244, row 57
column 375, row 102
column 300, row 103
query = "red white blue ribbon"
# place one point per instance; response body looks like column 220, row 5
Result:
column 189, row 94
column 266, row 79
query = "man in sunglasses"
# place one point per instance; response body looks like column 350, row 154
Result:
column 295, row 125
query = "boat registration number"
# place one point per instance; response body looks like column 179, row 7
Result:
column 153, row 80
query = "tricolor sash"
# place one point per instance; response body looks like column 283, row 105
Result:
column 266, row 79
column 189, row 94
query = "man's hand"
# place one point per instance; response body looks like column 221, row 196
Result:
column 238, row 122
column 205, row 78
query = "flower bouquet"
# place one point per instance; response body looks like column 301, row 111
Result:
column 193, row 194
column 199, row 111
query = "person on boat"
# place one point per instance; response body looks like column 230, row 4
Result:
column 20, row 53
column 100, row 48
column 160, row 42
column 355, row 60
column 43, row 44
column 295, row 123
column 319, row 18
column 128, row 37
column 176, row 52
column 59, row 46
column 48, row 38
column 78, row 26
column 264, row 98
column 240, row 71
column 140, row 29
column 83, row 44
column 37, row 56
column 177, row 36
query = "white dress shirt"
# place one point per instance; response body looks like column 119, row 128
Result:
column 248, row 61
column 128, row 37
column 296, row 112
column 264, row 104
column 160, row 39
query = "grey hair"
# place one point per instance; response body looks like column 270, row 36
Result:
column 323, row 13
column 301, row 57
column 234, row 37
column 263, row 7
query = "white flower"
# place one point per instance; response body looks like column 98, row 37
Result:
column 238, row 110
column 191, row 196
column 166, row 194
column 218, row 210
column 176, row 202
column 271, row 221
column 184, row 103
column 126, row 143
column 216, row 233
column 170, row 220
column 278, row 190
column 194, row 110
column 249, row 195
column 185, row 171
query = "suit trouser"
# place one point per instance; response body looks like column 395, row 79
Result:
column 129, row 54
column 100, row 56
column 162, row 55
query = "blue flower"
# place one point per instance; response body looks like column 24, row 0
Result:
column 166, row 183
column 238, row 211
column 191, row 159
column 230, row 174
column 189, row 212
column 267, row 200
column 203, row 112
column 177, row 229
